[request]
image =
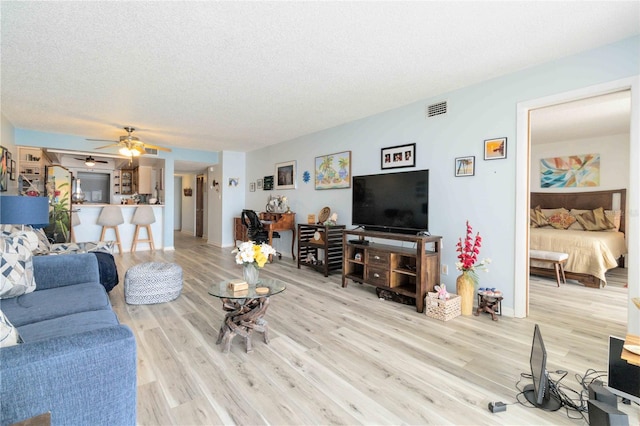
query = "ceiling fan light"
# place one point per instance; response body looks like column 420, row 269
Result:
column 90, row 162
column 125, row 151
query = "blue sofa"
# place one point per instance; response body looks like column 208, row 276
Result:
column 76, row 360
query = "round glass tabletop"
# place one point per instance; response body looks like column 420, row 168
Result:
column 222, row 290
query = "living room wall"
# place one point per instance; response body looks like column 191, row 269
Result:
column 485, row 110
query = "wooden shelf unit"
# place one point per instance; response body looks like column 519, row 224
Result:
column 410, row 271
column 327, row 250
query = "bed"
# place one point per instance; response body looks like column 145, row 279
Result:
column 591, row 253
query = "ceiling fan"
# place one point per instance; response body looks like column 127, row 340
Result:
column 90, row 161
column 130, row 146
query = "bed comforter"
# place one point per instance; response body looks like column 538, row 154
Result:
column 590, row 252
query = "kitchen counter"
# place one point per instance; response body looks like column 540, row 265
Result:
column 89, row 230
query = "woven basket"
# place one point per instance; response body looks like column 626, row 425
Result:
column 442, row 310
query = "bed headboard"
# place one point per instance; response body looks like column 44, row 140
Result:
column 581, row 200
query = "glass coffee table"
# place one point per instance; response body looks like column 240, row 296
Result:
column 245, row 310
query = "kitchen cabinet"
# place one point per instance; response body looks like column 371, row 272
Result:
column 126, row 181
column 144, row 180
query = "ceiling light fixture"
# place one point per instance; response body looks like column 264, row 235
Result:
column 90, row 161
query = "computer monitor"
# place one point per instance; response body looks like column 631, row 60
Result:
column 539, row 393
column 623, row 377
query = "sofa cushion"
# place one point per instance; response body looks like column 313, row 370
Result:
column 9, row 335
column 16, row 266
column 68, row 325
column 56, row 302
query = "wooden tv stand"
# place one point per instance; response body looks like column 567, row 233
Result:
column 411, row 271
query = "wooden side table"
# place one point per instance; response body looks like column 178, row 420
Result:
column 489, row 304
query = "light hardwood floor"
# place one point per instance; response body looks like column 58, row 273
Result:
column 342, row 356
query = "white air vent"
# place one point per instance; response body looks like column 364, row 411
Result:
column 150, row 151
column 436, row 109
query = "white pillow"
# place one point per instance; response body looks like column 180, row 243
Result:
column 16, row 267
column 8, row 333
column 30, row 237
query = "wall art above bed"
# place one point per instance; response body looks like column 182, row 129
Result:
column 572, row 171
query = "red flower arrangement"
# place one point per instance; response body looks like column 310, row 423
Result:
column 468, row 252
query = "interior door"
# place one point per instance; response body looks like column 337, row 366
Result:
column 199, row 205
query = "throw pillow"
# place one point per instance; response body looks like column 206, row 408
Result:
column 594, row 220
column 537, row 218
column 9, row 335
column 16, row 267
column 614, row 217
column 44, row 246
column 561, row 220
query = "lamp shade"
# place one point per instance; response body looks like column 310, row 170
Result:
column 20, row 210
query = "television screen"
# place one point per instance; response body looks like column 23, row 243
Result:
column 392, row 202
column 539, row 393
column 623, row 378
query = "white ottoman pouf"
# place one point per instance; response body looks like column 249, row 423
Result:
column 152, row 282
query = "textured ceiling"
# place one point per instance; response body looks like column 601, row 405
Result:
column 241, row 75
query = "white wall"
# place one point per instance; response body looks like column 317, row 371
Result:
column 614, row 160
column 483, row 111
column 224, row 201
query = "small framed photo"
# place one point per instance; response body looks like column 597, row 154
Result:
column 286, row 175
column 268, row 183
column 495, row 149
column 465, row 166
column 252, row 187
column 399, row 156
column 259, row 183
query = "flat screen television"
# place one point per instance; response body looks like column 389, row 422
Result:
column 623, row 377
column 539, row 393
column 392, row 202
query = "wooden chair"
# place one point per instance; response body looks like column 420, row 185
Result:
column 143, row 218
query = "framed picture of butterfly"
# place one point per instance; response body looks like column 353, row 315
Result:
column 495, row 149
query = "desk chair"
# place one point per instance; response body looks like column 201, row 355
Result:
column 255, row 229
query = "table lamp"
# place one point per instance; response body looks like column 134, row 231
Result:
column 21, row 210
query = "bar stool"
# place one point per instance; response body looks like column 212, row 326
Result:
column 75, row 221
column 110, row 217
column 143, row 218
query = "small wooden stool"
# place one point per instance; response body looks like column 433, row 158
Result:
column 143, row 218
column 110, row 217
column 558, row 260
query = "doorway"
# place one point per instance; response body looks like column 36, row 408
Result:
column 199, row 206
column 523, row 167
column 177, row 205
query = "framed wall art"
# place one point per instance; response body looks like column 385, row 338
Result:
column 495, row 149
column 399, row 156
column 4, row 169
column 465, row 166
column 252, row 187
column 333, row 171
column 259, row 184
column 267, row 183
column 286, row 175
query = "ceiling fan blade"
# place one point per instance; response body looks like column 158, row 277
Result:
column 108, row 146
column 101, row 140
column 159, row 148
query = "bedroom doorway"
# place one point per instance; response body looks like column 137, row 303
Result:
column 524, row 184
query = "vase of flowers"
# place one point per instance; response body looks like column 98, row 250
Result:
column 252, row 257
column 468, row 251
